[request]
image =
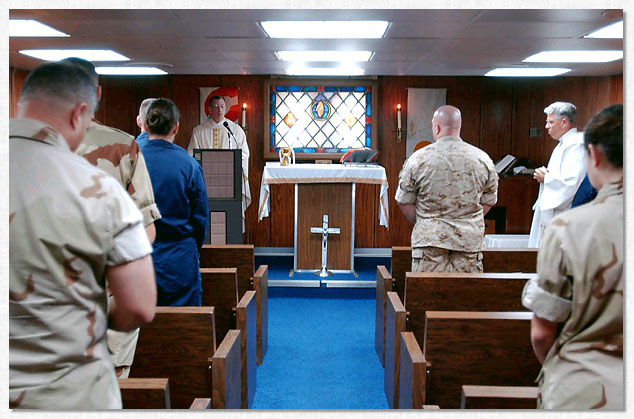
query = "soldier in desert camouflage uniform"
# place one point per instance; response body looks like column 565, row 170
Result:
column 118, row 154
column 71, row 227
column 577, row 296
column 445, row 189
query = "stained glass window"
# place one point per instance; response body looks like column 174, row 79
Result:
column 320, row 118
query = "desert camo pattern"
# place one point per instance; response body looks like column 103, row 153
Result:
column 66, row 221
column 448, row 181
column 117, row 153
column 580, row 284
column 435, row 259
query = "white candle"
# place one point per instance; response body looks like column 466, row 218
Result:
column 398, row 116
column 244, row 115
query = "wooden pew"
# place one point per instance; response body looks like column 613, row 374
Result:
column 226, row 373
column 493, row 260
column 201, row 404
column 145, row 393
column 246, row 323
column 220, row 290
column 460, row 292
column 261, row 287
column 394, row 326
column 178, row 345
column 498, row 397
column 383, row 286
column 241, row 257
column 476, row 348
column 412, row 374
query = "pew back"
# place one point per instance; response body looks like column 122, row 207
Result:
column 498, row 397
column 494, row 260
column 220, row 290
column 239, row 256
column 178, row 345
column 145, row 393
column 476, row 348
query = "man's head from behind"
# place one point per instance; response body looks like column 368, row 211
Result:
column 446, row 121
column 61, row 95
column 142, row 116
column 560, row 118
column 217, row 107
column 89, row 68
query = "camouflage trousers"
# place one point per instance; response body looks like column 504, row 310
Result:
column 122, row 346
column 435, row 259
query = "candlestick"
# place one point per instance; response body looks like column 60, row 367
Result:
column 244, row 116
column 398, row 116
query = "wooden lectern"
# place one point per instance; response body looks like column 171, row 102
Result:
column 222, row 172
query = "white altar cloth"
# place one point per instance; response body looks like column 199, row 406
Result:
column 513, row 241
column 274, row 173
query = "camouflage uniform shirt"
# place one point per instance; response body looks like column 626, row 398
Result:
column 117, row 153
column 448, row 181
column 68, row 221
column 579, row 283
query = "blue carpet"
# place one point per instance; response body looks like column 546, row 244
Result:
column 321, row 346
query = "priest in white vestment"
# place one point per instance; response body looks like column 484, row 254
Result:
column 566, row 168
column 213, row 134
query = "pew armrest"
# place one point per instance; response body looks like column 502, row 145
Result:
column 201, row 404
column 498, row 397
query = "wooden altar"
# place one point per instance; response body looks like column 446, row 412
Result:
column 323, row 189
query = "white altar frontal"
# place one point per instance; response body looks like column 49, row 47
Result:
column 323, row 189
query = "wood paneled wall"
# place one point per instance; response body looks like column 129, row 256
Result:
column 497, row 114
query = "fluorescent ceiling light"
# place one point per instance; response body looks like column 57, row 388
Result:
column 575, row 56
column 86, row 54
column 324, row 55
column 30, row 27
column 526, row 72
column 324, row 71
column 314, row 29
column 130, row 71
column 613, row 31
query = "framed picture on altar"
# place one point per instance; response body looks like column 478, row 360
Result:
column 319, row 119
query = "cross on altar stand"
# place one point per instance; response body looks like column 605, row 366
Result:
column 324, row 231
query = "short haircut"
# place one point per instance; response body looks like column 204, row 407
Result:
column 605, row 130
column 60, row 83
column 216, row 97
column 86, row 65
column 562, row 110
column 162, row 115
column 144, row 107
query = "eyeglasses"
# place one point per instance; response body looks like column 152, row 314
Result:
column 217, row 106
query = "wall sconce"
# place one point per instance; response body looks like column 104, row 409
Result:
column 399, row 126
column 244, row 117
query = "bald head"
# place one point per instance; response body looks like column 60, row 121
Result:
column 447, row 121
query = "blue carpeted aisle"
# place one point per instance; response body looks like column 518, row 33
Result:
column 321, row 351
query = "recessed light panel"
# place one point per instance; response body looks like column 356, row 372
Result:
column 333, row 29
column 575, row 57
column 32, row 28
column 613, row 31
column 303, row 56
column 86, row 54
column 324, row 71
column 526, row 72
column 130, row 71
